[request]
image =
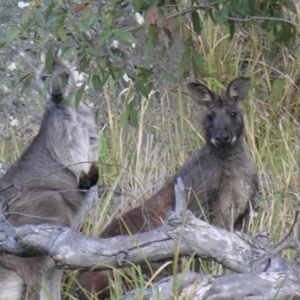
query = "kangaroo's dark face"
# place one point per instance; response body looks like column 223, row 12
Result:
column 57, row 80
column 223, row 123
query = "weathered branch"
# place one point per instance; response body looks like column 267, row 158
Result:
column 8, row 242
column 235, row 251
column 258, row 286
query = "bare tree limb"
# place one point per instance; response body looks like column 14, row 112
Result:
column 258, row 286
column 265, row 275
column 234, row 250
column 8, row 242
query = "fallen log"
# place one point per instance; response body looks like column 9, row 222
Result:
column 259, row 266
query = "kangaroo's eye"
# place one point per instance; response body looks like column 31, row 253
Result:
column 233, row 114
column 210, row 118
column 64, row 79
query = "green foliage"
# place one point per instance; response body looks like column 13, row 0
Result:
column 196, row 22
column 89, row 29
column 136, row 158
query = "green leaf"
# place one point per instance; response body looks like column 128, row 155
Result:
column 285, row 34
column 123, row 36
column 24, row 20
column 251, row 5
column 2, row 44
column 116, row 14
column 49, row 10
column 278, row 89
column 34, row 18
column 198, row 63
column 153, row 32
column 168, row 34
column 93, row 51
column 141, row 87
column 162, row 53
column 105, row 35
column 25, row 78
column 188, row 42
column 62, row 34
column 124, row 118
column 160, row 17
column 265, row 25
column 12, row 36
column 132, row 74
column 196, row 22
column 185, row 59
column 118, row 52
column 221, row 14
column 104, row 80
column 26, row 81
column 49, row 61
column 45, row 87
column 86, row 13
column 105, row 63
column 134, row 115
column 145, row 72
column 210, row 12
column 96, row 83
column 235, row 5
column 186, row 74
column 291, row 6
column 85, row 25
column 67, row 54
column 170, row 77
column 127, row 10
column 43, row 41
column 231, row 26
column 148, row 46
column 117, row 72
column 78, row 95
column 84, row 62
column 138, row 4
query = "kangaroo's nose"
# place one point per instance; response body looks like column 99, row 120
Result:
column 223, row 138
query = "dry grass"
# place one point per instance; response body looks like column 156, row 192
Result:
column 139, row 160
column 272, row 116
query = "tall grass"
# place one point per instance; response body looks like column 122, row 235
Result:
column 137, row 160
column 272, row 115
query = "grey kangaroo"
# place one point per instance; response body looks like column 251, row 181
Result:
column 220, row 178
column 53, row 182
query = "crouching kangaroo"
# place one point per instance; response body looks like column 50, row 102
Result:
column 220, row 178
column 54, row 181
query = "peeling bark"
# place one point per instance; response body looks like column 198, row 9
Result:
column 263, row 274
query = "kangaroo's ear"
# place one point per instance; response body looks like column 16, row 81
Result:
column 30, row 58
column 239, row 88
column 73, row 60
column 201, row 94
column 69, row 58
column 33, row 59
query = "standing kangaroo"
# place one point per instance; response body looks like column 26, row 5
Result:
column 220, row 178
column 53, row 182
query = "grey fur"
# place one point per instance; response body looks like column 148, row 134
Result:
column 220, row 180
column 43, row 185
column 229, row 177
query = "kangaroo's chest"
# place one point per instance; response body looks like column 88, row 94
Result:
column 234, row 188
column 233, row 194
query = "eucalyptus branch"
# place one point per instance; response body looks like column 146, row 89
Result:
column 253, row 18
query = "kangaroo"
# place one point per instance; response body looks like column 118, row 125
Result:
column 53, row 182
column 220, row 178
